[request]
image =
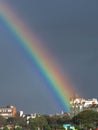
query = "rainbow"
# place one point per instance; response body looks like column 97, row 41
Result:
column 50, row 71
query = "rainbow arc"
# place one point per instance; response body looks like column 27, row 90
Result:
column 38, row 54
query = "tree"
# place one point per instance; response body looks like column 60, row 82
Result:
column 47, row 127
column 86, row 118
column 57, row 121
column 17, row 121
column 63, row 120
column 5, row 128
column 2, row 121
column 38, row 122
column 18, row 128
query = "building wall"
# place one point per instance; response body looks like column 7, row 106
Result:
column 79, row 104
column 9, row 111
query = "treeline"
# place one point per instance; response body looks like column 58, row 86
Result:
column 84, row 120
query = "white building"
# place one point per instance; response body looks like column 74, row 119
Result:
column 84, row 102
column 80, row 104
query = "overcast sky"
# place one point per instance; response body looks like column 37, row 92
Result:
column 69, row 31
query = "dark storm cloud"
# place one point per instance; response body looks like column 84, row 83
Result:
column 69, row 30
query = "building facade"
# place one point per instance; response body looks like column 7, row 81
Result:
column 79, row 104
column 9, row 111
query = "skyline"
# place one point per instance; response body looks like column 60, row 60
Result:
column 77, row 61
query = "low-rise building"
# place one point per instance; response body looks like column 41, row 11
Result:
column 79, row 104
column 9, row 111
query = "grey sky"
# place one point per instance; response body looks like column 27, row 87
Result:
column 69, row 30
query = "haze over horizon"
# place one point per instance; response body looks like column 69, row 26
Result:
column 69, row 31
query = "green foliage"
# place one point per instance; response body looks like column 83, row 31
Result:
column 86, row 118
column 5, row 128
column 32, row 125
column 19, row 121
column 38, row 122
column 47, row 127
column 56, row 121
column 60, row 127
column 18, row 128
column 63, row 120
column 2, row 121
